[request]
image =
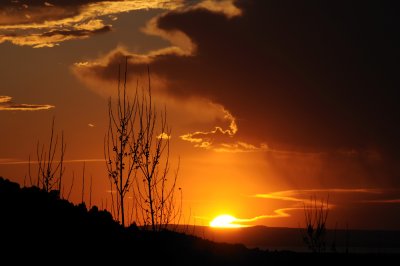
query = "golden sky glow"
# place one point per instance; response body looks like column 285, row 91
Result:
column 265, row 109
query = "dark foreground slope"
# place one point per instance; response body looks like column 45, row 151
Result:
column 281, row 238
column 36, row 226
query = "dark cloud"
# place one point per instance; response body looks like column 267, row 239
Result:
column 9, row 5
column 53, row 37
column 38, row 11
column 78, row 33
column 316, row 75
column 28, row 21
column 305, row 75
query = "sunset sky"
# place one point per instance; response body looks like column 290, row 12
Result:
column 269, row 101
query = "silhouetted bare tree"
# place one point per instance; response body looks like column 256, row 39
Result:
column 136, row 149
column 119, row 143
column 50, row 171
column 316, row 216
column 155, row 191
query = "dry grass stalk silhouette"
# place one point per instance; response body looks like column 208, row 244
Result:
column 83, row 183
column 316, row 215
column 50, row 171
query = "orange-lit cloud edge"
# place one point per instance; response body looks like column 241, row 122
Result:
column 6, row 104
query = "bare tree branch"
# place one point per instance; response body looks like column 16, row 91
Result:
column 49, row 170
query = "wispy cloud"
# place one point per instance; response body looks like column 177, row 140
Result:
column 8, row 161
column 35, row 25
column 302, row 194
column 297, row 198
column 278, row 196
column 339, row 198
column 5, row 99
column 305, row 196
column 382, row 201
column 278, row 213
column 25, row 107
column 74, row 14
column 51, row 38
column 6, row 104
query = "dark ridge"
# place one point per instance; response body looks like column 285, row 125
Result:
column 39, row 227
column 283, row 238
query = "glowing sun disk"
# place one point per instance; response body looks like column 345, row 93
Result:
column 225, row 221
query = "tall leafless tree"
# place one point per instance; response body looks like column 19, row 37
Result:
column 136, row 148
column 119, row 143
column 155, row 195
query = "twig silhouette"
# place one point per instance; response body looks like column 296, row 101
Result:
column 315, row 222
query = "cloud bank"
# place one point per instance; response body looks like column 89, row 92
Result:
column 304, row 78
column 47, row 24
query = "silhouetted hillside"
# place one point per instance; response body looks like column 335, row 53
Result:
column 281, row 238
column 36, row 226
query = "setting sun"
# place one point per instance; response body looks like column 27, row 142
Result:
column 219, row 132
column 225, row 221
